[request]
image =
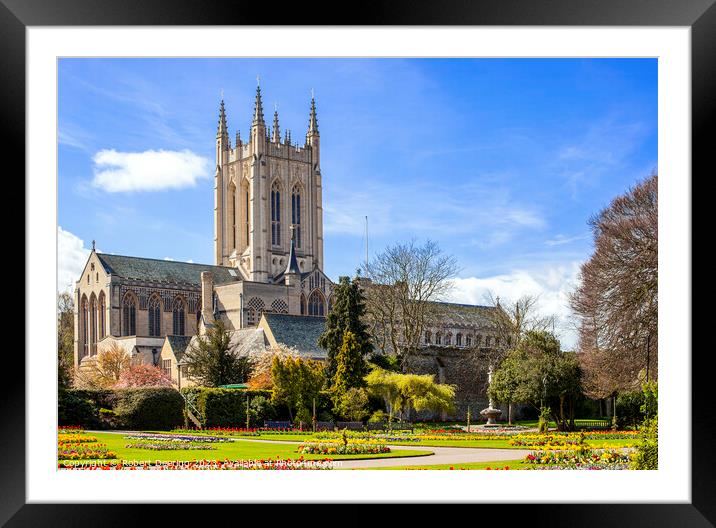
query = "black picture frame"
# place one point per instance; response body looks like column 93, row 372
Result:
column 699, row 15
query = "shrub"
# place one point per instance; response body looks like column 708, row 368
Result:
column 629, row 413
column 76, row 409
column 378, row 416
column 160, row 408
column 353, row 404
column 227, row 407
column 647, row 451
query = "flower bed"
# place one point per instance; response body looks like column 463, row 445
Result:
column 228, row 431
column 582, row 459
column 335, row 448
column 176, row 438
column 64, row 438
column 84, row 451
column 168, row 446
column 70, row 429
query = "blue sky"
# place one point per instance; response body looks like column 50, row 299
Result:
column 501, row 161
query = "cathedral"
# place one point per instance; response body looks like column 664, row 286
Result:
column 267, row 283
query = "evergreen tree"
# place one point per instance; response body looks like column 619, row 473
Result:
column 212, row 360
column 346, row 315
column 350, row 369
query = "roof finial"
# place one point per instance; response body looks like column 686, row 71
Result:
column 276, row 137
column 313, row 121
column 258, row 106
column 93, row 245
column 292, row 266
column 222, row 131
column 258, row 81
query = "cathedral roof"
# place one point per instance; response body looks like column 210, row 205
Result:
column 298, row 331
column 168, row 271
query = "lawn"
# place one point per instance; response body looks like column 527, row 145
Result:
column 240, row 449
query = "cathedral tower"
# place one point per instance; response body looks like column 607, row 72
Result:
column 265, row 189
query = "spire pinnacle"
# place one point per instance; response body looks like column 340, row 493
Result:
column 276, row 137
column 222, row 131
column 258, row 107
column 292, row 266
column 313, row 121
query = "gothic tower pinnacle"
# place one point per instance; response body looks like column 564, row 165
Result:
column 276, row 133
column 258, row 109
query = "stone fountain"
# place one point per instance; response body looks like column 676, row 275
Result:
column 491, row 413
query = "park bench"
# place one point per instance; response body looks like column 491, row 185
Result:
column 375, row 426
column 278, row 425
column 324, row 426
column 351, row 426
column 593, row 424
column 400, row 426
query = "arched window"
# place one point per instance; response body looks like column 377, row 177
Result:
column 478, row 340
column 84, row 321
column 438, row 338
column 296, row 213
column 468, row 341
column 316, row 306
column 487, row 341
column 458, row 339
column 246, row 216
column 448, row 338
column 275, row 214
column 303, row 304
column 428, row 337
column 102, row 315
column 155, row 316
column 178, row 316
column 93, row 325
column 129, row 315
column 232, row 214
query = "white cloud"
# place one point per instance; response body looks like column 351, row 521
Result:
column 151, row 170
column 71, row 259
column 552, row 285
column 560, row 240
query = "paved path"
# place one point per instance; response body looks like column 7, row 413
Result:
column 441, row 455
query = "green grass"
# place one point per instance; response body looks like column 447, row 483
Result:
column 513, row 464
column 238, row 450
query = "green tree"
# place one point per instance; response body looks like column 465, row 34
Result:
column 539, row 373
column 353, row 404
column 346, row 315
column 297, row 382
column 65, row 339
column 350, row 366
column 505, row 384
column 404, row 392
column 212, row 360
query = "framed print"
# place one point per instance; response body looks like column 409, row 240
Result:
column 427, row 240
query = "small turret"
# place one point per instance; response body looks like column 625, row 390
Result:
column 258, row 110
column 312, row 137
column 222, row 131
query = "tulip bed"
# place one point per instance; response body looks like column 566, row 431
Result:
column 73, row 444
column 582, row 459
column 335, row 448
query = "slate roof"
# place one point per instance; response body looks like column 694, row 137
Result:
column 466, row 314
column 298, row 331
column 179, row 345
column 168, row 271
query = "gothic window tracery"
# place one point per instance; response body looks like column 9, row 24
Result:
column 254, row 308
column 84, row 322
column 155, row 316
column 316, row 305
column 129, row 315
column 279, row 306
column 276, row 214
column 102, row 315
column 178, row 316
column 93, row 324
column 448, row 338
column 458, row 339
column 428, row 337
column 296, row 213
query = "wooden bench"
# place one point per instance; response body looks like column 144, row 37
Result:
column 278, row 425
column 324, row 426
column 351, row 426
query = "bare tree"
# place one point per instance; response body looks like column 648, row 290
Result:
column 65, row 338
column 406, row 280
column 511, row 320
column 617, row 299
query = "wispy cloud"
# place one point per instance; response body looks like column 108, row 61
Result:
column 151, row 170
column 560, row 240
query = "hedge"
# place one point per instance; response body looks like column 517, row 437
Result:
column 155, row 408
column 160, row 408
column 227, row 407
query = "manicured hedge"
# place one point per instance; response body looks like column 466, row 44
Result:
column 227, row 407
column 160, row 408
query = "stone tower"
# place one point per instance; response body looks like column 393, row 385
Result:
column 264, row 189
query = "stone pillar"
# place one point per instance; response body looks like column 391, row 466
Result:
column 207, row 295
